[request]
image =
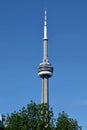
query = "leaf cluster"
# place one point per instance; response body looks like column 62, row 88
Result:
column 39, row 117
column 33, row 117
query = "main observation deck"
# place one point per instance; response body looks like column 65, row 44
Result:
column 45, row 70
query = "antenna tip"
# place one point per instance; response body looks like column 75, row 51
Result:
column 45, row 11
column 45, row 14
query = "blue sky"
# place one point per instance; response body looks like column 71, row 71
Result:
column 21, row 33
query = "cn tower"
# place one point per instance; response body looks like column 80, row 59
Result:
column 45, row 69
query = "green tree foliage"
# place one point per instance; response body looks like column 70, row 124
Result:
column 39, row 117
column 34, row 117
column 66, row 123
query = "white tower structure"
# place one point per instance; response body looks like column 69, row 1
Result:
column 45, row 70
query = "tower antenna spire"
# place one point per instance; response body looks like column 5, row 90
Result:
column 45, row 15
column 45, row 25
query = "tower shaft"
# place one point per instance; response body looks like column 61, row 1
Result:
column 45, row 50
column 45, row 90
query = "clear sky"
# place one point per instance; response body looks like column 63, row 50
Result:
column 21, row 33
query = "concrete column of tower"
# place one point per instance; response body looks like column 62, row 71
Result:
column 45, row 51
column 45, row 90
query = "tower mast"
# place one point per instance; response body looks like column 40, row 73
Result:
column 45, row 69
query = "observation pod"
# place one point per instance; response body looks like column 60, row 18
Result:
column 45, row 70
